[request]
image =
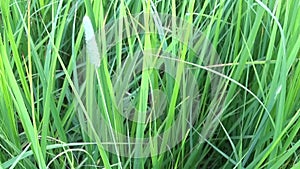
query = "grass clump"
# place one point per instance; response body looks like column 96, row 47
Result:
column 179, row 84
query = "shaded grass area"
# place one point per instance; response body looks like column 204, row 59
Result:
column 228, row 70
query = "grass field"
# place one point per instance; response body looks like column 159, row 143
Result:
column 150, row 84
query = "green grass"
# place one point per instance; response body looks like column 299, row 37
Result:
column 212, row 84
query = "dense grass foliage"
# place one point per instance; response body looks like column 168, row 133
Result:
column 209, row 84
